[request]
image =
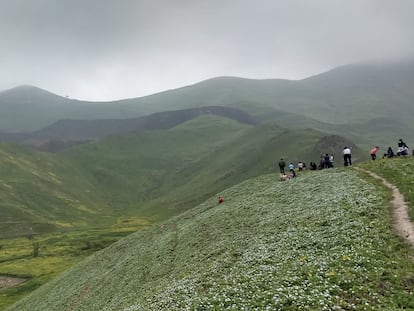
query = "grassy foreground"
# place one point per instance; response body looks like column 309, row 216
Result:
column 320, row 242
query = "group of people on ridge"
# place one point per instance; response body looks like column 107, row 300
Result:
column 327, row 160
column 401, row 151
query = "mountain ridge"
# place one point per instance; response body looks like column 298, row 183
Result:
column 347, row 95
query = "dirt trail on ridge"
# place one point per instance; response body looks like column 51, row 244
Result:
column 402, row 224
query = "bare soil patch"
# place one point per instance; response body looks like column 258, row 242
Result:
column 8, row 281
column 402, row 224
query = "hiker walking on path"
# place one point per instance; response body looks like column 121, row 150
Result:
column 282, row 166
column 373, row 153
column 347, row 156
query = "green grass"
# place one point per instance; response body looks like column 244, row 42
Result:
column 40, row 194
column 57, row 252
column 399, row 171
column 321, row 242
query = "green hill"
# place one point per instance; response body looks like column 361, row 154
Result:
column 78, row 201
column 150, row 175
column 320, row 242
column 40, row 194
column 142, row 173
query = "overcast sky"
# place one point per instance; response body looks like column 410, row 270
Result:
column 116, row 49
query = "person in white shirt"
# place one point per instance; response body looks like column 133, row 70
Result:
column 347, row 156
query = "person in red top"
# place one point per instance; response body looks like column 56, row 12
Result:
column 220, row 200
column 373, row 153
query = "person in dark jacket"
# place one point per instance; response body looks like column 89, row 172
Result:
column 282, row 166
column 390, row 153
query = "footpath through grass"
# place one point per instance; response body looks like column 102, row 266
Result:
column 321, row 242
column 398, row 171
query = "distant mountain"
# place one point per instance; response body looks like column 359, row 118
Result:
column 66, row 133
column 93, row 129
column 345, row 99
column 30, row 95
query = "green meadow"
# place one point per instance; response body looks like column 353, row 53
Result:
column 40, row 258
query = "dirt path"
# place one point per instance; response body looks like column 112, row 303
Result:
column 402, row 224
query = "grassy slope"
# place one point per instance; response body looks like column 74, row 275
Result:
column 43, row 193
column 150, row 175
column 124, row 183
column 161, row 173
column 132, row 170
column 93, row 185
column 323, row 241
column 400, row 172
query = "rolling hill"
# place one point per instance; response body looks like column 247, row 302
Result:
column 310, row 243
column 139, row 174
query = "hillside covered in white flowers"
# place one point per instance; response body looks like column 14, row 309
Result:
column 322, row 241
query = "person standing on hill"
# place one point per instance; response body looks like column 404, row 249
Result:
column 282, row 166
column 347, row 156
column 373, row 153
column 331, row 160
column 326, row 161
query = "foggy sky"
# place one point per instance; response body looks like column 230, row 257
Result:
column 116, row 49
